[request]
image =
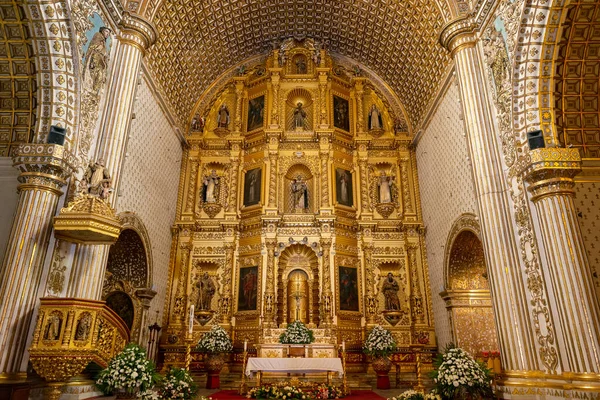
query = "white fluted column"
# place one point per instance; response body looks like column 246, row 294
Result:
column 550, row 175
column 44, row 170
column 135, row 36
column 511, row 309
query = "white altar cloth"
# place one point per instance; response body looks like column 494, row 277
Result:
column 294, row 365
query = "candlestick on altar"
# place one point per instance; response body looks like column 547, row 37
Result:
column 191, row 322
column 243, row 386
column 343, row 345
column 245, row 345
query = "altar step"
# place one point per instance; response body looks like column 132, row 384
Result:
column 231, row 381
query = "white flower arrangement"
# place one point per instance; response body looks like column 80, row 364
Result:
column 380, row 342
column 458, row 375
column 178, row 384
column 129, row 371
column 297, row 333
column 215, row 341
column 414, row 395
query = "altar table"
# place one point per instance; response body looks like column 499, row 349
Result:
column 293, row 365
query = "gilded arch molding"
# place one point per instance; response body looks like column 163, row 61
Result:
column 466, row 222
column 130, row 220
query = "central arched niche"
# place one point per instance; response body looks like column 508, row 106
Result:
column 296, row 260
column 467, row 293
column 298, row 171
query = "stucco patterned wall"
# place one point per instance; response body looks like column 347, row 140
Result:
column 587, row 204
column 447, row 191
column 149, row 183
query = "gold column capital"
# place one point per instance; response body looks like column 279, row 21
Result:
column 43, row 166
column 550, row 171
column 457, row 34
column 137, row 31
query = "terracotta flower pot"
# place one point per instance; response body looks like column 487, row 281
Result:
column 382, row 366
column 214, row 364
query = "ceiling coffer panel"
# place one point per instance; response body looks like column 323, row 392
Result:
column 397, row 40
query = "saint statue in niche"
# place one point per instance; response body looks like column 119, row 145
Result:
column 300, row 65
column 83, row 327
column 223, row 117
column 385, row 188
column 197, row 123
column 211, row 187
column 299, row 117
column 206, row 291
column 96, row 61
column 53, row 327
column 299, row 194
column 390, row 291
column 375, row 120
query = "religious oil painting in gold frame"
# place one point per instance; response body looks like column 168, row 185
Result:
column 248, row 289
column 252, row 187
column 341, row 113
column 343, row 187
column 348, row 282
column 256, row 111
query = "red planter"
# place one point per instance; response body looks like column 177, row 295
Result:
column 214, row 364
column 382, row 367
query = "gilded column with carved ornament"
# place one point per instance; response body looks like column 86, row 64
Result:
column 234, row 171
column 405, row 186
column 269, row 299
column 134, row 37
column 370, row 299
column 363, row 167
column 327, row 293
column 191, row 193
column 239, row 97
column 514, row 317
column 359, row 92
column 275, row 77
column 180, row 300
column 416, row 295
column 44, row 170
column 550, row 172
column 323, row 98
column 226, row 277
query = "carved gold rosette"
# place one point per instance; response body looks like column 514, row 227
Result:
column 87, row 220
column 70, row 333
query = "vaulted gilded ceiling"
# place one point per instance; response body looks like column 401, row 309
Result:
column 396, row 39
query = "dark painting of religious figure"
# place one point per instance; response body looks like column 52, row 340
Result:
column 348, row 280
column 343, row 187
column 252, row 182
column 256, row 110
column 122, row 304
column 248, row 289
column 341, row 113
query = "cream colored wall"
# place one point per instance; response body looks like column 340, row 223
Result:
column 447, row 191
column 149, row 183
column 587, row 204
column 8, row 200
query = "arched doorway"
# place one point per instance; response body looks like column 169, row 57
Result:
column 467, row 293
column 298, row 285
column 128, row 281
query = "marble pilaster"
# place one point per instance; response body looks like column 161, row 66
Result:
column 44, row 169
column 513, row 319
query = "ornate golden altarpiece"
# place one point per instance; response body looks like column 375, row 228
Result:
column 298, row 198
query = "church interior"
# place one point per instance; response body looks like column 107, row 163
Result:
column 430, row 166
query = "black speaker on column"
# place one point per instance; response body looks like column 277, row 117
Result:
column 57, row 135
column 535, row 140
